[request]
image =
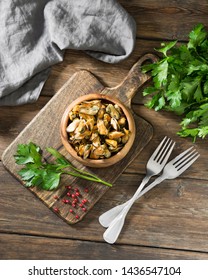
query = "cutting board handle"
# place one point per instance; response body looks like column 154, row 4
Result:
column 126, row 90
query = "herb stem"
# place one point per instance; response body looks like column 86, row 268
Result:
column 82, row 176
column 67, row 164
column 83, row 172
column 196, row 103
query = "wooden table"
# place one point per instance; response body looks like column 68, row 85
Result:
column 170, row 222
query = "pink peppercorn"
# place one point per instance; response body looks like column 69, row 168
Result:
column 77, row 217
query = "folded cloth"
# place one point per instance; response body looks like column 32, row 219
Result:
column 35, row 33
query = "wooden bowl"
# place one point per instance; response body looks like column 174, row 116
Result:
column 98, row 163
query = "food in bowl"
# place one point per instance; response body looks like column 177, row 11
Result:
column 97, row 129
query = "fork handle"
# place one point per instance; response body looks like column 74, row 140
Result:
column 113, row 231
column 106, row 218
column 141, row 186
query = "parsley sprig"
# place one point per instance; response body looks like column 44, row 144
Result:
column 180, row 82
column 38, row 172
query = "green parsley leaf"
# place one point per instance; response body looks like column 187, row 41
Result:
column 37, row 172
column 160, row 74
column 28, row 154
column 59, row 158
column 174, row 98
column 189, row 132
column 205, row 88
column 203, row 131
column 197, row 36
column 166, row 47
column 180, row 82
column 148, row 90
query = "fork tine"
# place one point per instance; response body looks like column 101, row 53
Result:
column 160, row 148
column 164, row 149
column 176, row 159
column 188, row 164
column 185, row 158
column 167, row 153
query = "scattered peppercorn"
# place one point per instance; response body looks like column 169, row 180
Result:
column 56, row 209
column 76, row 200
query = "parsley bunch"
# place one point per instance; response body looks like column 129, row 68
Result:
column 40, row 173
column 180, row 82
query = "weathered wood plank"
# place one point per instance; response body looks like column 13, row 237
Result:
column 109, row 74
column 173, row 215
column 15, row 119
column 47, row 123
column 176, row 211
column 25, row 247
column 152, row 19
column 171, row 19
column 164, row 123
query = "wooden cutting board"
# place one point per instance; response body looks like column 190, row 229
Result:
column 44, row 131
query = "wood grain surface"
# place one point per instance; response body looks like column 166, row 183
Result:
column 44, row 130
column 171, row 221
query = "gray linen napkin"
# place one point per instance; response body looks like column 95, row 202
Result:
column 35, row 33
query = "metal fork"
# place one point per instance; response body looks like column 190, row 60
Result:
column 172, row 170
column 154, row 166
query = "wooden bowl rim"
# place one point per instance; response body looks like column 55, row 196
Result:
column 98, row 162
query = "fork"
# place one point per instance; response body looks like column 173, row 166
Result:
column 154, row 166
column 172, row 170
